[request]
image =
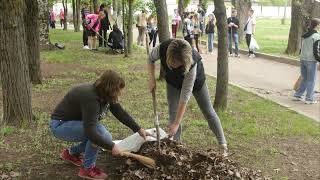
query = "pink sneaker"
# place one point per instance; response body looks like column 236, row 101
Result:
column 92, row 173
column 65, row 155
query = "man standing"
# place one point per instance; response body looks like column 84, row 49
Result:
column 141, row 25
column 84, row 12
column 233, row 26
column 250, row 29
column 201, row 17
column 105, row 23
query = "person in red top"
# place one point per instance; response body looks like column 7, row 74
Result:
column 61, row 17
column 93, row 22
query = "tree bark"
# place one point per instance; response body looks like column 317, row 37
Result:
column 301, row 14
column 163, row 21
column 32, row 34
column 119, row 15
column 163, row 25
column 44, row 25
column 181, row 12
column 74, row 16
column 14, row 71
column 130, row 22
column 124, row 29
column 115, row 11
column 65, row 9
column 243, row 7
column 77, row 26
column 221, row 97
column 95, row 5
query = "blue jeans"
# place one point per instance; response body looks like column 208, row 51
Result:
column 210, row 41
column 235, row 39
column 308, row 73
column 73, row 131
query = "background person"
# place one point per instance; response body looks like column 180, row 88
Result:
column 210, row 31
column 116, row 40
column 152, row 30
column 184, row 74
column 105, row 24
column 233, row 26
column 308, row 63
column 77, row 119
column 84, row 12
column 141, row 25
column 175, row 23
column 94, row 24
column 250, row 30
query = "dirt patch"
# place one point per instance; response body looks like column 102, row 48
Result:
column 175, row 161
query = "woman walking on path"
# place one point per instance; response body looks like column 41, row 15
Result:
column 184, row 74
column 175, row 23
column 77, row 119
column 210, row 31
column 141, row 25
column 308, row 63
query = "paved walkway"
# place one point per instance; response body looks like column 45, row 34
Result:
column 269, row 79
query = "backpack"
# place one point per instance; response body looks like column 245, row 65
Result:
column 316, row 50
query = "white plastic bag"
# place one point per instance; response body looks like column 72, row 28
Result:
column 134, row 142
column 253, row 45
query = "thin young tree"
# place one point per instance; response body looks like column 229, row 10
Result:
column 65, row 10
column 130, row 22
column 124, row 28
column 44, row 24
column 76, row 15
column 32, row 34
column 14, row 70
column 221, row 97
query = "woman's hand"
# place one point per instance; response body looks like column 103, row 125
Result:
column 144, row 133
column 116, row 151
column 173, row 128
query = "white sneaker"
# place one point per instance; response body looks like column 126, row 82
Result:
column 85, row 47
column 224, row 150
column 252, row 56
column 211, row 53
column 311, row 102
column 297, row 98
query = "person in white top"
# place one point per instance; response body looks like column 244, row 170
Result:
column 175, row 23
column 250, row 29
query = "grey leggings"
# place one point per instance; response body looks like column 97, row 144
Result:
column 203, row 99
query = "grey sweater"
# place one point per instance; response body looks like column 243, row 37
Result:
column 307, row 47
column 82, row 103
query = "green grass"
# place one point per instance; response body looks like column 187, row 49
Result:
column 271, row 36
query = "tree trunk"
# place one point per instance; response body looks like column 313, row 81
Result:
column 119, row 15
column 163, row 25
column 301, row 14
column 14, row 71
column 181, row 12
column 91, row 6
column 130, row 22
column 163, row 21
column 115, row 11
column 77, row 26
column 32, row 34
column 124, row 29
column 243, row 7
column 221, row 96
column 65, row 9
column 44, row 25
column 74, row 16
column 95, row 5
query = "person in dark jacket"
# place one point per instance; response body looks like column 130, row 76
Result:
column 84, row 12
column 184, row 74
column 77, row 119
column 116, row 40
column 210, row 31
column 233, row 26
column 105, row 23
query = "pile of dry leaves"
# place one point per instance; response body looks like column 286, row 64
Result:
column 175, row 161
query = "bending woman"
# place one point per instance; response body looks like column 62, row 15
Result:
column 77, row 119
column 185, row 76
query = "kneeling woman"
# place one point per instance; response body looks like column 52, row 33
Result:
column 77, row 116
column 185, row 76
